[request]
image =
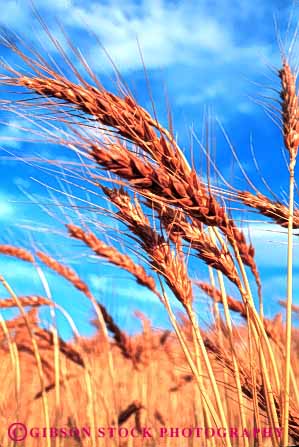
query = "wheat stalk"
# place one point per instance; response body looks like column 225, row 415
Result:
column 16, row 252
column 135, row 124
column 290, row 118
column 35, row 349
column 121, row 339
column 30, row 300
column 238, row 307
column 275, row 210
column 64, row 271
column 171, row 267
column 113, row 256
column 71, row 276
column 163, row 259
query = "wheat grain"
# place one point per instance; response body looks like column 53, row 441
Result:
column 113, row 255
column 163, row 259
column 64, row 271
column 16, row 252
column 135, row 124
column 290, row 113
column 30, row 300
column 290, row 122
column 275, row 210
column 121, row 339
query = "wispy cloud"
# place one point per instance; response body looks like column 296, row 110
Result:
column 169, row 33
column 7, row 209
column 270, row 242
column 177, row 35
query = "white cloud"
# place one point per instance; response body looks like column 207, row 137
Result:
column 202, row 51
column 125, row 287
column 211, row 92
column 21, row 276
column 58, row 5
column 168, row 34
column 11, row 134
column 13, row 14
column 270, row 242
column 7, row 210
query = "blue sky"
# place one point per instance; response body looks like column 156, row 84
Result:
column 202, row 55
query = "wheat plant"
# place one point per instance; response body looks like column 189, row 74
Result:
column 170, row 216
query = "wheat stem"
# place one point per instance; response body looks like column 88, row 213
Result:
column 289, row 309
column 14, row 357
column 207, row 362
column 234, row 357
column 192, row 365
column 56, row 352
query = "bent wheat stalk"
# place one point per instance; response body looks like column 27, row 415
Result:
column 275, row 210
column 30, row 300
column 136, row 125
column 113, row 255
column 16, row 252
column 171, row 266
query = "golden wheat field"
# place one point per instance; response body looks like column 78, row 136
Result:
column 224, row 369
